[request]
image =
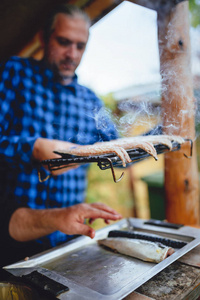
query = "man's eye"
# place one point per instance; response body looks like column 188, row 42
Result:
column 63, row 42
column 81, row 46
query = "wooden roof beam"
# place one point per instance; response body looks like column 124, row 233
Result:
column 158, row 5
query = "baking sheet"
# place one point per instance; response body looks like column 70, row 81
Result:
column 92, row 272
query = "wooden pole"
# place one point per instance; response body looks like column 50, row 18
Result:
column 178, row 112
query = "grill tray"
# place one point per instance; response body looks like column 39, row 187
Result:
column 92, row 272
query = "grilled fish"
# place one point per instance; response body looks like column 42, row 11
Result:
column 119, row 146
column 143, row 250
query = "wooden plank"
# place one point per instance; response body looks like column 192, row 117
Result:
column 178, row 109
column 177, row 281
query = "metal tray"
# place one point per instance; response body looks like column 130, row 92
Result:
column 92, row 272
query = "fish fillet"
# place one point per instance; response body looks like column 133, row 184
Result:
column 119, row 146
column 144, row 250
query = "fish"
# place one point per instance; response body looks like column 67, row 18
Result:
column 121, row 145
column 140, row 249
column 130, row 234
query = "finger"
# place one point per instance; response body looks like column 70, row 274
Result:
column 104, row 207
column 97, row 213
column 91, row 220
column 86, row 230
column 107, row 221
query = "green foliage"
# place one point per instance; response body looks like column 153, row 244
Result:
column 109, row 101
column 194, row 6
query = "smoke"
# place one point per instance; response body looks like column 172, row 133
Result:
column 179, row 95
column 140, row 114
column 143, row 116
column 173, row 76
column 102, row 117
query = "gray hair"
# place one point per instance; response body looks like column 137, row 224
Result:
column 67, row 9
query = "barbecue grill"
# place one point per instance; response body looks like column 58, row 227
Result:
column 106, row 161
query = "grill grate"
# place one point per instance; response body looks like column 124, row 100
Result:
column 105, row 161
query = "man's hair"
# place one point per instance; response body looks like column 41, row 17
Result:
column 67, row 9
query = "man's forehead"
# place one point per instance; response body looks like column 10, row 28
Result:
column 62, row 18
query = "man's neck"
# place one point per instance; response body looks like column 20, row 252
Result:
column 65, row 80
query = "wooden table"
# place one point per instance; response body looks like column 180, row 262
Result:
column 180, row 280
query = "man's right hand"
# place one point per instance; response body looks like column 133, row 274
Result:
column 27, row 224
column 72, row 219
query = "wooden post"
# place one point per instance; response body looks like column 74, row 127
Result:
column 178, row 112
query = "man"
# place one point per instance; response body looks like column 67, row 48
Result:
column 43, row 109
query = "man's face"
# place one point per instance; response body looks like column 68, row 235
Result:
column 66, row 45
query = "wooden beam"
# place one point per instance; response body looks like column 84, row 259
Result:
column 96, row 9
column 157, row 5
column 178, row 110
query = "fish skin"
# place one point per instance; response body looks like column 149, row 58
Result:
column 143, row 250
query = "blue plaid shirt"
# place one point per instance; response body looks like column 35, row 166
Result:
column 33, row 104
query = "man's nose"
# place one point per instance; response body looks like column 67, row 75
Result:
column 72, row 51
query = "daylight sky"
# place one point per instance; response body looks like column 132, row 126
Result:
column 122, row 50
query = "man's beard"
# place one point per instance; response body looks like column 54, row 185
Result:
column 61, row 76
column 68, row 61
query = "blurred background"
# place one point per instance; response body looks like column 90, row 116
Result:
column 122, row 65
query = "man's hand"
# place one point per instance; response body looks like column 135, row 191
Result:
column 43, row 149
column 71, row 221
column 28, row 224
